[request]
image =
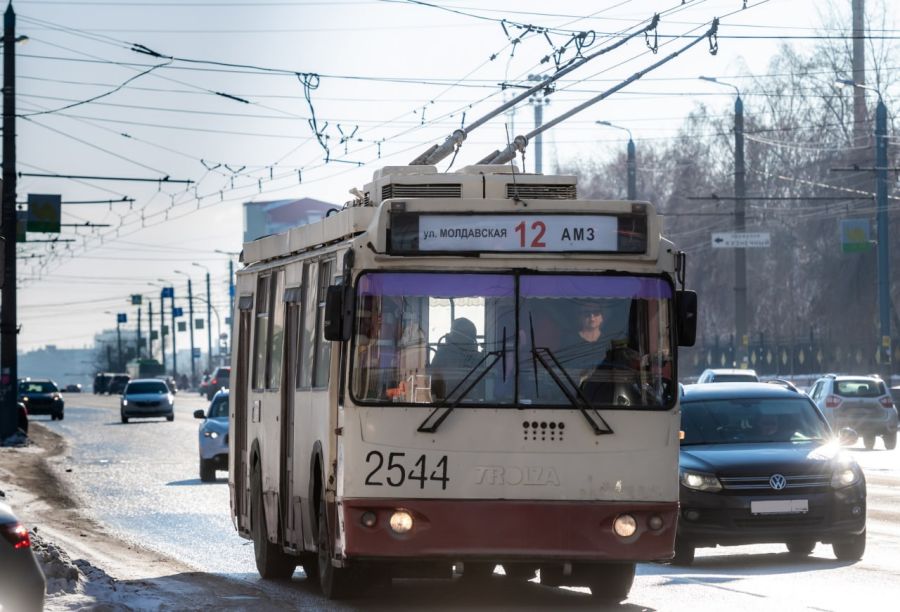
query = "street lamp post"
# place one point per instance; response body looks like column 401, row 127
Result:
column 162, row 322
column 209, row 357
column 740, row 255
column 215, row 311
column 190, row 325
column 118, row 317
column 171, row 292
column 631, row 164
column 882, row 220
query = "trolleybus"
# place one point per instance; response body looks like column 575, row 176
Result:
column 462, row 370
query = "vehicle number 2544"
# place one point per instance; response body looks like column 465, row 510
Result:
column 397, row 469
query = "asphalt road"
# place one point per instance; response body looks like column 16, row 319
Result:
column 142, row 481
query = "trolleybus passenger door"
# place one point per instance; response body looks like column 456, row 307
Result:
column 290, row 503
column 240, row 416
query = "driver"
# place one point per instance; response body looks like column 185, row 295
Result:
column 587, row 347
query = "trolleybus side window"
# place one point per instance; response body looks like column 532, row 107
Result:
column 323, row 347
column 276, row 330
column 261, row 335
column 307, row 346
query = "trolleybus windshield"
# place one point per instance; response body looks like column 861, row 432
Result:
column 525, row 340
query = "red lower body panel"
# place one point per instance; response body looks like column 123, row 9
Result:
column 513, row 530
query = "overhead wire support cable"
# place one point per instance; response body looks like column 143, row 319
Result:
column 438, row 152
column 164, row 179
column 521, row 142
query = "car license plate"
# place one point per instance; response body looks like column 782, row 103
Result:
column 779, row 506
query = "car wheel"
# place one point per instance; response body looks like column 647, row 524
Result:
column 271, row 562
column 801, row 548
column 869, row 441
column 684, row 554
column 611, row 582
column 207, row 471
column 474, row 570
column 124, row 419
column 170, row 417
column 60, row 416
column 335, row 582
column 890, row 440
column 851, row 549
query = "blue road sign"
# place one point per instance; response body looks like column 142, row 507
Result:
column 121, row 318
column 168, row 292
column 177, row 312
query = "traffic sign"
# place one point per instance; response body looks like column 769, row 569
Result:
column 196, row 352
column 178, row 312
column 741, row 240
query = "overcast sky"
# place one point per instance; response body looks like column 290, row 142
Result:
column 394, row 77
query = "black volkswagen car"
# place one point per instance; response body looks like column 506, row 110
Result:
column 759, row 464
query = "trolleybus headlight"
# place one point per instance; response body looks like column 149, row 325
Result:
column 625, row 526
column 368, row 519
column 401, row 521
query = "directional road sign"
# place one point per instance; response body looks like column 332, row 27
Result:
column 740, row 240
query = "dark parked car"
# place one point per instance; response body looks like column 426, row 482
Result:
column 72, row 388
column 101, row 383
column 759, row 464
column 117, row 384
column 219, row 380
column 22, row 583
column 41, row 396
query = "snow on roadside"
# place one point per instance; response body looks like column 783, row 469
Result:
column 76, row 585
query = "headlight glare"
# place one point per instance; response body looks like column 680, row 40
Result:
column 625, row 526
column 699, row 481
column 844, row 477
column 401, row 521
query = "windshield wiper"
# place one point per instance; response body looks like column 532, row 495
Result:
column 439, row 414
column 571, row 390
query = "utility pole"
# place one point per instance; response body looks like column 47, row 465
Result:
column 174, row 350
column 538, row 100
column 137, row 354
column 740, row 255
column 859, row 72
column 119, row 367
column 8, row 324
column 150, row 327
column 631, row 164
column 190, row 325
column 209, row 356
column 884, row 259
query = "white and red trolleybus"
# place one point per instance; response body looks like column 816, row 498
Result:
column 464, row 369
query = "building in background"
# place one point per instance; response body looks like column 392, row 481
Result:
column 265, row 218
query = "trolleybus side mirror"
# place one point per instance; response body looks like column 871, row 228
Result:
column 338, row 312
column 686, row 313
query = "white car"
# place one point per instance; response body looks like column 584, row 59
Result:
column 214, row 436
column 720, row 375
column 863, row 403
column 147, row 397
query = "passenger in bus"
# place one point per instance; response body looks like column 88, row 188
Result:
column 455, row 357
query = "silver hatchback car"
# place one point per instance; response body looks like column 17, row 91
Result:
column 147, row 397
column 214, row 436
column 863, row 403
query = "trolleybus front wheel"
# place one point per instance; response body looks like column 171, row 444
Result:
column 610, row 582
column 271, row 562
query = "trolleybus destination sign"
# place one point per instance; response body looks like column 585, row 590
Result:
column 525, row 232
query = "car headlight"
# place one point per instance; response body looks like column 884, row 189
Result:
column 211, row 434
column 844, row 477
column 25, row 399
column 699, row 481
column 124, row 402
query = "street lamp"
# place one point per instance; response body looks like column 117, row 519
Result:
column 881, row 215
column 119, row 317
column 190, row 325
column 631, row 164
column 740, row 257
column 208, row 318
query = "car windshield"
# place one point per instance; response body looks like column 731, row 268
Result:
column 751, row 420
column 506, row 339
column 219, row 407
column 863, row 387
column 37, row 387
column 146, row 387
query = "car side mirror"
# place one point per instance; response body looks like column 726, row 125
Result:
column 848, row 436
column 199, row 414
column 338, row 312
column 686, row 317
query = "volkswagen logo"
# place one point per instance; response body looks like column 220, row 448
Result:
column 777, row 482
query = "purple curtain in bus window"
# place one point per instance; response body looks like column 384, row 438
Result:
column 595, row 286
column 437, row 285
